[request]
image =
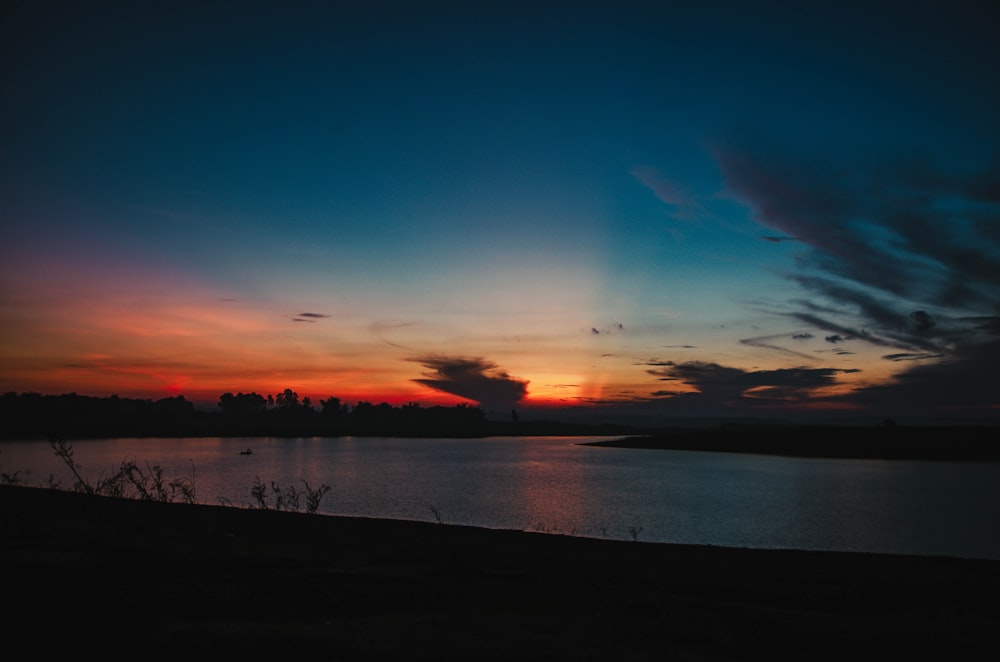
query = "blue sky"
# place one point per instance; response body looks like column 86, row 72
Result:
column 712, row 208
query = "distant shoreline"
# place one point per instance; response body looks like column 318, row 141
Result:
column 71, row 416
column 957, row 443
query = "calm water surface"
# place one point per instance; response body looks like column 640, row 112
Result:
column 556, row 485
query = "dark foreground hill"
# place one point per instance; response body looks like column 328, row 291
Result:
column 98, row 576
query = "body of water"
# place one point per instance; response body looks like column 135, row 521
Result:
column 557, row 485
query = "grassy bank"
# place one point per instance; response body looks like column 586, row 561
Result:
column 89, row 573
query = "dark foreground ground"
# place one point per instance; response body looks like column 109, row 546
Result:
column 97, row 576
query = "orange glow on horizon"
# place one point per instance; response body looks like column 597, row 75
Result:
column 128, row 338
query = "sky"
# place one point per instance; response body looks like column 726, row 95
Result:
column 648, row 209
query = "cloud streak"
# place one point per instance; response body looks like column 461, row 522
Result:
column 309, row 317
column 685, row 205
column 768, row 343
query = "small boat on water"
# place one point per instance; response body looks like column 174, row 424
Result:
column 246, row 452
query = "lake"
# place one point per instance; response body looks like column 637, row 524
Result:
column 558, row 485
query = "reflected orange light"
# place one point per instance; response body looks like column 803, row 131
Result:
column 541, row 505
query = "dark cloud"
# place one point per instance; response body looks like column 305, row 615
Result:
column 990, row 325
column 900, row 254
column 707, row 376
column 963, row 384
column 843, row 332
column 920, row 321
column 722, row 389
column 615, row 327
column 309, row 317
column 883, row 321
column 475, row 379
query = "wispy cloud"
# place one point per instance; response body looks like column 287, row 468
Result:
column 768, row 342
column 899, row 254
column 381, row 329
column 904, row 229
column 686, row 206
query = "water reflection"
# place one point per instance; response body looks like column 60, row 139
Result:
column 549, row 490
column 555, row 485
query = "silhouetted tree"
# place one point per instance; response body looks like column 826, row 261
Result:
column 333, row 414
column 32, row 415
column 177, row 407
column 287, row 400
column 331, row 407
column 242, row 404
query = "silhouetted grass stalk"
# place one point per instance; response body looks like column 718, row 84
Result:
column 132, row 481
column 135, row 482
column 288, row 499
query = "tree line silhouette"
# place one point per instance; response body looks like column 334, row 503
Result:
column 33, row 415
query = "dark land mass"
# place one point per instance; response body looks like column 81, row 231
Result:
column 72, row 416
column 96, row 576
column 972, row 443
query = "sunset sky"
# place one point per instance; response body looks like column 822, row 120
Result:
column 663, row 208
